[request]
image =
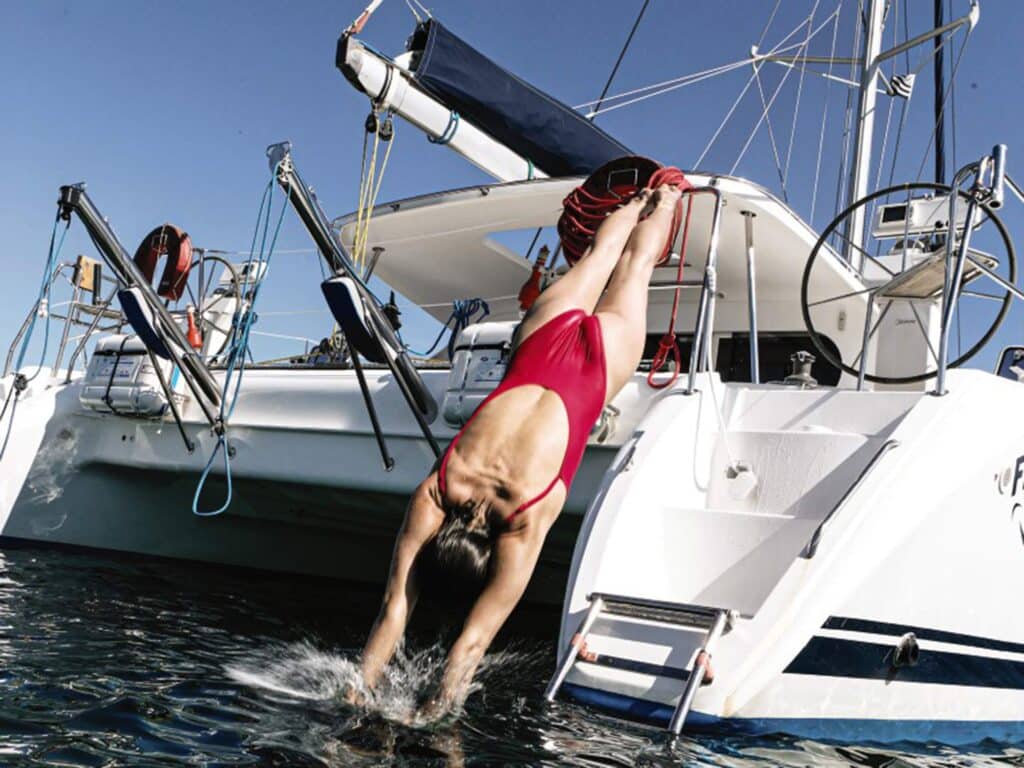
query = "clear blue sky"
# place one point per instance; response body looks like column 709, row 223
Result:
column 165, row 109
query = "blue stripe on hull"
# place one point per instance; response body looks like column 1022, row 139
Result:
column 922, row 633
column 839, row 657
column 953, row 732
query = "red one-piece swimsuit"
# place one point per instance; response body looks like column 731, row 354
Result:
column 566, row 356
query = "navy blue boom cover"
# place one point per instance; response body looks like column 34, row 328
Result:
column 557, row 139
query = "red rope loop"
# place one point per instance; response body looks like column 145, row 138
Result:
column 667, row 344
column 669, row 339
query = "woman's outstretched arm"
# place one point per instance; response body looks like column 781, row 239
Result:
column 515, row 556
column 422, row 519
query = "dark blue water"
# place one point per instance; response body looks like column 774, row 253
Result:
column 110, row 661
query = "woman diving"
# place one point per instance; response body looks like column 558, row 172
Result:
column 478, row 521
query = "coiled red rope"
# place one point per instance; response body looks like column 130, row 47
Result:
column 610, row 187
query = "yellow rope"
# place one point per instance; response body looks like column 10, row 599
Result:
column 369, row 189
column 365, row 186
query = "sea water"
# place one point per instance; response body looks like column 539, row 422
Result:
column 122, row 661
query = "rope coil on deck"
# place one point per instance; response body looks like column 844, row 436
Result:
column 606, row 190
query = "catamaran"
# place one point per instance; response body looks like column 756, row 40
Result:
column 805, row 523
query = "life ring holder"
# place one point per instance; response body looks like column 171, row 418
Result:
column 174, row 243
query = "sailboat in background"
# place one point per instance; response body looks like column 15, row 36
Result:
column 820, row 497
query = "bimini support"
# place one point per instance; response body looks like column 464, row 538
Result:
column 169, row 336
column 354, row 306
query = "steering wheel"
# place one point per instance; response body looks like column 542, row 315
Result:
column 201, row 298
column 911, row 273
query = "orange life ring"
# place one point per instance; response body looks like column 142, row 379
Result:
column 167, row 240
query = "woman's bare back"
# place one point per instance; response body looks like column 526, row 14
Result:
column 510, row 452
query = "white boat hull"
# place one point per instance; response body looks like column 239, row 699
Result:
column 929, row 541
column 310, row 494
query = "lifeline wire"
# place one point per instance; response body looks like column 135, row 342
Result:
column 11, row 401
column 44, row 296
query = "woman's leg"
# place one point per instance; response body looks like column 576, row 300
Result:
column 582, row 286
column 623, row 308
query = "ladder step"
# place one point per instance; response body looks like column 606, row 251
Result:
column 714, row 622
column 634, row 665
column 682, row 614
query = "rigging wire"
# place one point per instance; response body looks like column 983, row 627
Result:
column 622, row 54
column 952, row 92
column 952, row 115
column 771, row 135
column 824, row 121
column 750, row 81
column 799, row 92
column 767, row 26
column 412, row 10
column 938, row 65
column 892, row 103
column 666, row 84
column 42, row 307
column 904, row 107
column 952, row 79
column 848, row 118
column 764, row 114
column 673, row 85
column 604, row 92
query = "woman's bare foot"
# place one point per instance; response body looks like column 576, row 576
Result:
column 651, row 234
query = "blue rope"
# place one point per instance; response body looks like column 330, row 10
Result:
column 449, row 131
column 241, row 326
column 461, row 316
column 44, row 293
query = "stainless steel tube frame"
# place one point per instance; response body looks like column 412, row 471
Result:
column 696, row 676
column 28, row 321
column 575, row 643
column 305, row 204
column 73, row 198
column 862, row 371
column 755, row 367
column 700, row 347
column 951, row 279
column 995, row 200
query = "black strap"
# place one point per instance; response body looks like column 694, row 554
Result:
column 113, row 373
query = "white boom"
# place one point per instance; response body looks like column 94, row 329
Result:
column 390, row 85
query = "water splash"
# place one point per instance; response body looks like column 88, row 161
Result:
column 54, row 463
column 304, row 672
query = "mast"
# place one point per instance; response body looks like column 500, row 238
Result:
column 860, row 171
column 940, row 113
